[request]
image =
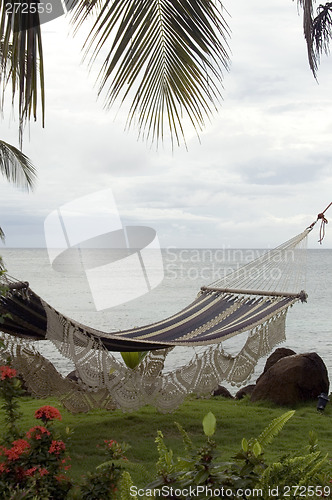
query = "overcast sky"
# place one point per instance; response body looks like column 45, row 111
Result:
column 260, row 175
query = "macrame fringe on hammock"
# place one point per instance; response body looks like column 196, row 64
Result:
column 104, row 382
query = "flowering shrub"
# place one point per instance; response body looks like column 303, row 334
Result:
column 18, row 448
column 10, row 390
column 57, row 447
column 7, row 372
column 37, row 432
column 39, row 459
column 115, row 450
column 37, row 463
column 48, row 413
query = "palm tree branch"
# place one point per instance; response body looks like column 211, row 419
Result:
column 16, row 166
column 183, row 40
column 187, row 80
column 21, row 62
column 146, row 103
column 151, row 82
column 159, row 43
column 317, row 29
column 179, row 57
column 322, row 29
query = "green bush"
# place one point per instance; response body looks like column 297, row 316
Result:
column 200, row 473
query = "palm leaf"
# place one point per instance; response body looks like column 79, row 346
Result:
column 307, row 6
column 166, row 56
column 16, row 166
column 317, row 29
column 21, row 60
column 322, row 31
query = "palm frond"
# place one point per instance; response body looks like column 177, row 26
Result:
column 16, row 166
column 307, row 6
column 322, row 30
column 21, row 60
column 2, row 238
column 317, row 27
column 166, row 56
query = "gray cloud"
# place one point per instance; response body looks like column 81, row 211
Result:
column 286, row 169
column 261, row 172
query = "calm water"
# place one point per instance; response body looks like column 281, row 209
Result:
column 309, row 326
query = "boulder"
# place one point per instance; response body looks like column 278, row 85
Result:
column 279, row 353
column 245, row 391
column 73, row 376
column 222, row 391
column 293, row 379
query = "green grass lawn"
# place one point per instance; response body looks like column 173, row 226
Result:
column 235, row 420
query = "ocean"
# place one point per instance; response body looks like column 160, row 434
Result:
column 176, row 282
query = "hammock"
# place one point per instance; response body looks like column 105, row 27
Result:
column 254, row 299
column 220, row 311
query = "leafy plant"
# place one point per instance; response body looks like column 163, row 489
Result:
column 272, row 430
column 105, row 481
column 202, row 467
column 10, row 390
column 126, row 492
column 166, row 466
column 309, row 474
column 255, row 447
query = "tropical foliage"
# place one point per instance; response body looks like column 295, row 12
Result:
column 317, row 28
column 166, row 58
column 35, row 464
column 16, row 168
column 247, row 474
column 21, row 61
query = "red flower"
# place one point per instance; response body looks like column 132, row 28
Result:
column 61, row 477
column 46, row 413
column 57, row 447
column 30, row 472
column 3, row 468
column 64, row 463
column 37, row 432
column 7, row 372
column 18, row 448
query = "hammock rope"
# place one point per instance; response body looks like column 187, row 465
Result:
column 323, row 221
